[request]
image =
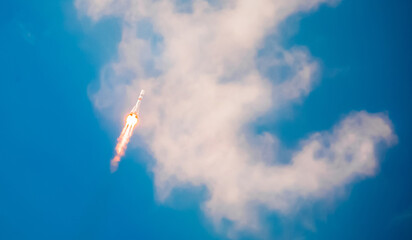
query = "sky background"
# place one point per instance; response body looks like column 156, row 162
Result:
column 55, row 180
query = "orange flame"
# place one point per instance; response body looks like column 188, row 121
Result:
column 123, row 140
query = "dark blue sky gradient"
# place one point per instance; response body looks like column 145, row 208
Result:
column 55, row 148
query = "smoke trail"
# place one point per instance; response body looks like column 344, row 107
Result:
column 123, row 140
column 227, row 64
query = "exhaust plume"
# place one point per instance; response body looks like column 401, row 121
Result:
column 123, row 140
column 213, row 70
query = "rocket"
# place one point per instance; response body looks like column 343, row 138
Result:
column 136, row 108
column 131, row 122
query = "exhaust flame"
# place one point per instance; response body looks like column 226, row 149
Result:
column 123, row 140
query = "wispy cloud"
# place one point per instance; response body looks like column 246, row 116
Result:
column 206, row 85
column 26, row 34
column 405, row 216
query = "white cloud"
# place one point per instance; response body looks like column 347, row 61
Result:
column 205, row 86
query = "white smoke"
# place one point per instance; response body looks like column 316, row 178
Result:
column 199, row 63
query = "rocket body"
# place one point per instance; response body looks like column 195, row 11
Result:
column 131, row 122
column 136, row 108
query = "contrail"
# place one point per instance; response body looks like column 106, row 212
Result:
column 124, row 138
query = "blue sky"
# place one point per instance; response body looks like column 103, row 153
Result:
column 55, row 180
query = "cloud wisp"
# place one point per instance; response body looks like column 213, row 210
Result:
column 199, row 63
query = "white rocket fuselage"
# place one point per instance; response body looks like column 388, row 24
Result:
column 136, row 107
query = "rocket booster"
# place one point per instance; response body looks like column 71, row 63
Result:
column 131, row 122
column 136, row 107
